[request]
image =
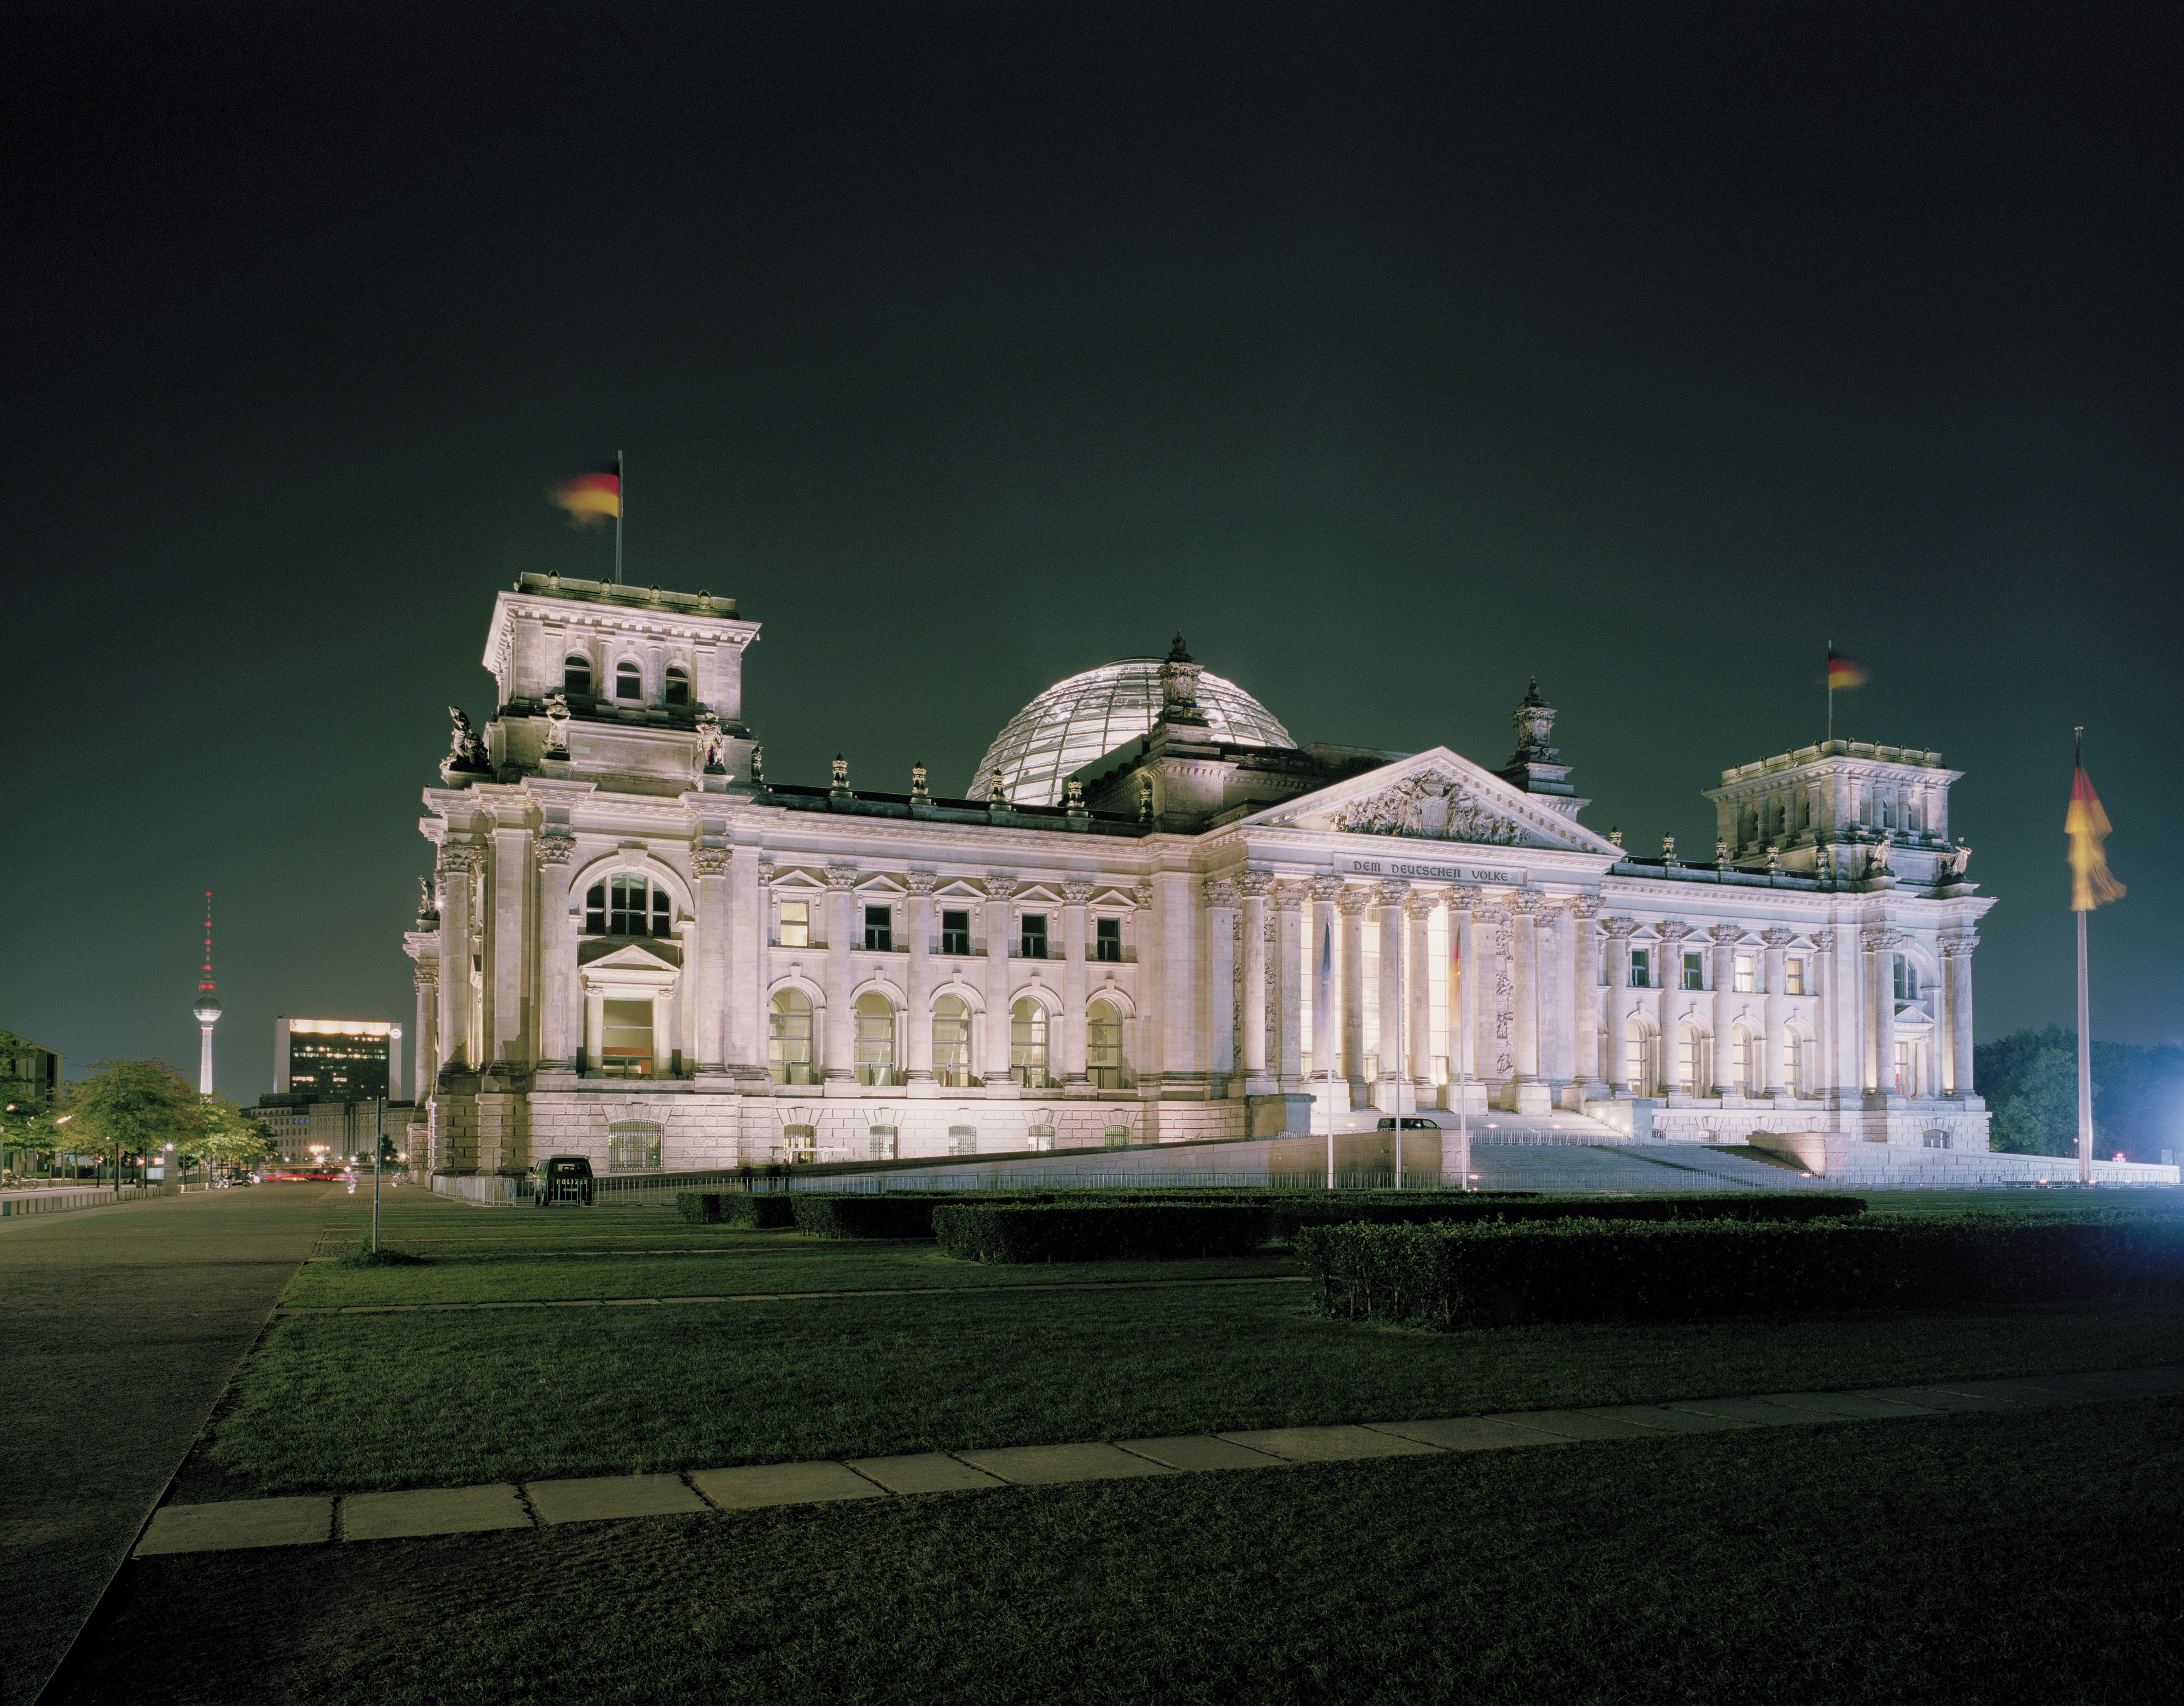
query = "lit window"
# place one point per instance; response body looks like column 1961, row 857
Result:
column 626, row 1041
column 678, row 687
column 1902, row 1068
column 882, row 1143
column 803, row 1141
column 1634, row 1065
column 789, row 1038
column 1740, row 1062
column 1906, row 980
column 1792, row 1060
column 795, row 923
column 1118, row 1137
column 955, row 932
column 1041, row 1138
column 1641, row 968
column 576, row 675
column 951, row 1042
column 1687, row 1060
column 1694, row 971
column 1107, row 938
column 1103, row 1045
column 1028, row 1044
column 628, row 906
column 633, row 1145
column 1793, row 977
column 1746, row 979
column 1032, row 943
column 962, row 1140
column 879, row 929
column 875, row 1024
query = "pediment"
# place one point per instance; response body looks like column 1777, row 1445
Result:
column 628, row 953
column 1436, row 795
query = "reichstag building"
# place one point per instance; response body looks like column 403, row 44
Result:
column 1119, row 929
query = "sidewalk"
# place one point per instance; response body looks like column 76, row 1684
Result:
column 321, row 1518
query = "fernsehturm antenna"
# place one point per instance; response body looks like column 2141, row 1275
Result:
column 208, row 1007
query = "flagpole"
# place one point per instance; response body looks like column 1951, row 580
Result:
column 620, row 491
column 1829, row 671
column 2085, row 1019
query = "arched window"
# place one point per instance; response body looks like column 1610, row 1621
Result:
column 1792, row 1064
column 803, row 1141
column 1118, row 1137
column 962, row 1140
column 875, row 1023
column 1634, row 1063
column 951, row 1041
column 1041, row 1138
column 576, row 675
column 628, row 906
column 1103, row 1045
column 629, row 681
column 1687, row 1060
column 1740, row 1061
column 678, row 687
column 789, row 1038
column 1028, row 1044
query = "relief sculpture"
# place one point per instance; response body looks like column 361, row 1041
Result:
column 1432, row 806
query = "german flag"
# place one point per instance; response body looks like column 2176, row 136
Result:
column 590, row 498
column 1842, row 672
column 2087, row 826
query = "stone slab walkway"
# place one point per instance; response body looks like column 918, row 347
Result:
column 312, row 1521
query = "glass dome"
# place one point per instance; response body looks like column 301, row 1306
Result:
column 1077, row 720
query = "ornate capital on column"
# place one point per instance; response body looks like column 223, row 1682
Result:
column 1777, row 938
column 841, row 877
column 427, row 977
column 1619, row 929
column 1879, row 939
column 1524, row 902
column 710, row 861
column 1289, row 897
column 1672, row 929
column 1353, row 901
column 1463, row 897
column 1253, row 883
column 1392, row 890
column 1075, row 892
column 1959, row 947
column 920, row 882
column 997, row 886
column 1584, row 907
column 553, row 850
column 1823, row 941
column 1220, row 892
column 1417, row 906
column 1726, row 935
column 1143, row 892
column 463, row 857
column 1327, row 888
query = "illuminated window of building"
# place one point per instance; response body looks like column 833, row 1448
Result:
column 1792, row 1063
column 626, row 1041
column 1906, row 979
column 1793, row 976
column 628, row 906
column 1694, row 971
column 795, row 923
column 1033, row 933
column 962, row 1140
column 881, row 1138
column 879, row 929
column 1028, row 1044
column 576, row 675
column 1633, row 1064
column 678, row 687
column 875, row 1027
column 1748, row 980
column 1041, row 1138
column 951, row 1042
column 633, row 1145
column 803, row 1141
column 789, row 1038
column 1103, row 1045
column 1902, row 1068
column 1107, row 940
column 1118, row 1137
column 629, row 682
column 1740, row 1062
column 1641, row 968
column 956, row 932
column 1687, row 1060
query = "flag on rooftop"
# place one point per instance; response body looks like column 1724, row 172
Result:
column 1842, row 672
column 2087, row 826
column 590, row 498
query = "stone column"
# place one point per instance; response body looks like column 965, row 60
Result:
column 1879, row 943
column 1773, row 970
column 509, row 989
column 557, row 949
column 1221, row 1005
column 1353, row 903
column 1494, row 1009
column 1724, row 1000
column 918, row 1022
column 1417, row 910
column 1835, row 984
column 1616, row 1030
column 1584, row 1006
column 1076, row 971
column 745, row 999
column 1000, row 944
column 1524, row 907
column 458, row 869
column 1289, row 980
column 1558, row 1055
column 1956, row 960
column 1325, row 941
column 1253, row 886
column 595, row 1027
column 425, row 1066
column 838, row 1051
column 663, row 1034
column 707, row 983
column 1386, row 1092
column 1463, row 973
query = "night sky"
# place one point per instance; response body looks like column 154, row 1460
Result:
column 1393, row 354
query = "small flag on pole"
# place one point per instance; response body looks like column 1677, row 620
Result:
column 2087, row 826
column 1842, row 672
column 590, row 498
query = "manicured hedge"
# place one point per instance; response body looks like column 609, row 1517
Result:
column 1322, row 1211
column 865, row 1216
column 1121, row 1231
column 736, row 1207
column 1498, row 1273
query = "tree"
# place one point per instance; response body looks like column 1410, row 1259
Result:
column 231, row 1135
column 28, row 1127
column 135, row 1107
column 2040, row 1114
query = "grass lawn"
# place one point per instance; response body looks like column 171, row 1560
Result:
column 1967, row 1558
column 383, row 1401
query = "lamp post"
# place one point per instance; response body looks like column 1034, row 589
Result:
column 379, row 1147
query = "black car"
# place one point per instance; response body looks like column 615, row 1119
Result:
column 561, row 1179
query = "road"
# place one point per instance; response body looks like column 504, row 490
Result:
column 119, row 1328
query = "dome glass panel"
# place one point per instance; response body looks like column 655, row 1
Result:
column 1079, row 720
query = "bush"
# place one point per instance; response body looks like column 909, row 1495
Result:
column 1289, row 1217
column 866, row 1217
column 749, row 1208
column 1121, row 1231
column 1490, row 1273
column 387, row 1256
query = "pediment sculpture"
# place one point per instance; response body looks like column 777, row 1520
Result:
column 1432, row 806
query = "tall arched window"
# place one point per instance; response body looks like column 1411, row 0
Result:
column 1634, row 1063
column 1687, row 1060
column 875, row 1023
column 1103, row 1045
column 576, row 674
column 1740, row 1061
column 951, row 1041
column 628, row 906
column 678, row 687
column 629, row 681
column 789, row 1038
column 1028, row 1044
column 1792, row 1064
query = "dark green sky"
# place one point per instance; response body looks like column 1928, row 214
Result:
column 1391, row 354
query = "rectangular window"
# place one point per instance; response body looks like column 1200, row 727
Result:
column 626, row 1039
column 1641, row 968
column 1032, row 944
column 1902, row 1068
column 633, row 1146
column 1103, row 1047
column 1748, row 980
column 1634, row 1066
column 962, row 1140
column 1906, row 980
column 879, row 929
column 1687, row 1063
column 955, row 932
column 1740, row 1063
column 1793, row 977
column 795, row 923
column 1694, row 971
column 882, row 1143
column 1107, row 938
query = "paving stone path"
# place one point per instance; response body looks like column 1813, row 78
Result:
column 323, row 1519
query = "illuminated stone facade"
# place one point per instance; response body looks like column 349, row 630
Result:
column 638, row 947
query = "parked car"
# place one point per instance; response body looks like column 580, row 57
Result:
column 1410, row 1123
column 561, row 1179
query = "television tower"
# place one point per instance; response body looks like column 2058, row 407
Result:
column 208, row 1007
